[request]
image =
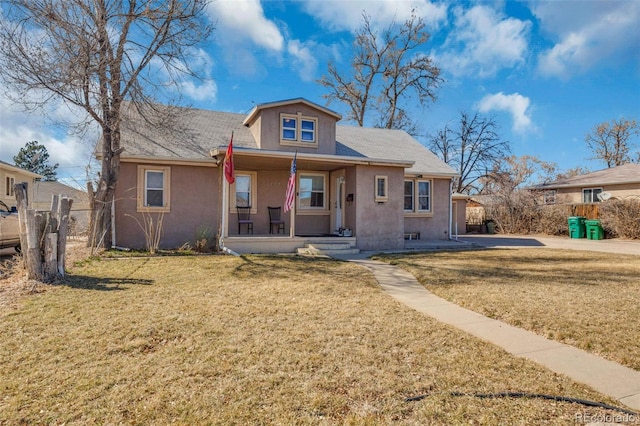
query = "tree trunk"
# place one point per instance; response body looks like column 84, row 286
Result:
column 43, row 236
column 65, row 210
column 32, row 254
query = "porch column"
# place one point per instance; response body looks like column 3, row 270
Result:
column 292, row 222
column 225, row 209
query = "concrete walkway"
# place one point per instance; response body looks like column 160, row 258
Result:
column 607, row 377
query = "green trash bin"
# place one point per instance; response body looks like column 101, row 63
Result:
column 577, row 227
column 594, row 230
column 491, row 227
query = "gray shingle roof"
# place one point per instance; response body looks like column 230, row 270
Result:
column 389, row 144
column 627, row 173
column 43, row 190
column 196, row 132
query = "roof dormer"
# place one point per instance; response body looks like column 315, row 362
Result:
column 293, row 124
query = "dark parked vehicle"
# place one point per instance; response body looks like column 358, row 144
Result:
column 9, row 227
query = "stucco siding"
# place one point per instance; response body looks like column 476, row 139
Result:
column 574, row 195
column 195, row 197
column 435, row 226
column 379, row 224
column 269, row 129
column 9, row 198
column 460, row 219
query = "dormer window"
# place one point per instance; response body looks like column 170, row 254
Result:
column 298, row 130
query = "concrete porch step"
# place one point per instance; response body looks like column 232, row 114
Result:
column 338, row 245
column 327, row 249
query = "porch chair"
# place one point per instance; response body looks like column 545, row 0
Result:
column 244, row 218
column 274, row 219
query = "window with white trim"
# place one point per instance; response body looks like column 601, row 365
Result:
column 243, row 191
column 381, row 187
column 153, row 188
column 9, row 182
column 298, row 130
column 590, row 195
column 312, row 189
column 417, row 196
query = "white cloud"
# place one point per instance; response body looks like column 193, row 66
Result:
column 483, row 42
column 515, row 104
column 347, row 15
column 72, row 152
column 304, row 59
column 206, row 91
column 243, row 33
column 588, row 34
column 242, row 20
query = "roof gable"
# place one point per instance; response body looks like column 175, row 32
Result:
column 259, row 107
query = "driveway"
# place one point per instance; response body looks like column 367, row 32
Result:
column 614, row 245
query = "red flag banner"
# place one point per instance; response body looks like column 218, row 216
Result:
column 291, row 186
column 228, row 163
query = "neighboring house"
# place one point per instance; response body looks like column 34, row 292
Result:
column 42, row 196
column 616, row 182
column 380, row 186
column 9, row 176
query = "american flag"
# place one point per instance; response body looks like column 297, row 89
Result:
column 229, row 171
column 291, row 186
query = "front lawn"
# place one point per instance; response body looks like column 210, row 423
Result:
column 586, row 299
column 252, row 340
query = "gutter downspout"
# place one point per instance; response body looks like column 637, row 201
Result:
column 113, row 222
column 451, row 212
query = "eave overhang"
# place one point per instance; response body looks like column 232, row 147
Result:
column 316, row 158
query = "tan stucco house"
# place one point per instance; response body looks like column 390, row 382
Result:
column 616, row 182
column 9, row 176
column 371, row 188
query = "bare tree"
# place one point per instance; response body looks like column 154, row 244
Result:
column 95, row 55
column 515, row 204
column 566, row 174
column 610, row 142
column 472, row 148
column 386, row 71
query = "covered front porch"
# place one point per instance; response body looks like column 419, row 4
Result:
column 327, row 208
column 261, row 181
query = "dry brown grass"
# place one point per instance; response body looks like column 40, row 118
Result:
column 253, row 340
column 14, row 284
column 585, row 299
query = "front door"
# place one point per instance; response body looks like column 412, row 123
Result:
column 337, row 200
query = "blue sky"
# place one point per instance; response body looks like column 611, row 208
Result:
column 546, row 71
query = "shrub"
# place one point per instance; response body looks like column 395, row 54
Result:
column 551, row 220
column 204, row 239
column 153, row 230
column 622, row 217
column 513, row 213
column 520, row 213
